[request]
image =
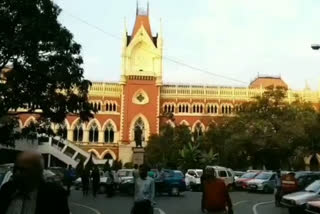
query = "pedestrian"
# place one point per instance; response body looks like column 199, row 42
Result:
column 216, row 197
column 144, row 193
column 68, row 178
column 278, row 191
column 110, row 183
column 202, row 181
column 85, row 180
column 135, row 171
column 28, row 192
column 95, row 180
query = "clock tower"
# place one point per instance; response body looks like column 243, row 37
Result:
column 141, row 80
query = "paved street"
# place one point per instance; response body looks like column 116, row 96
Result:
column 189, row 203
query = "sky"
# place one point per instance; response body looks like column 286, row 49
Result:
column 239, row 39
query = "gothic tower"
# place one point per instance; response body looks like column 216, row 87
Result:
column 141, row 80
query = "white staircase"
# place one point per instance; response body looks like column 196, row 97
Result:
column 61, row 149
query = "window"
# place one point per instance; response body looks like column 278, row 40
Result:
column 168, row 108
column 111, row 106
column 229, row 174
column 109, row 134
column 226, row 109
column 197, row 108
column 212, row 108
column 222, row 174
column 94, row 133
column 78, row 133
column 183, row 108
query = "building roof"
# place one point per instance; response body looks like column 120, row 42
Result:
column 267, row 81
column 142, row 20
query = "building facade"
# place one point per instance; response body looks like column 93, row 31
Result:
column 141, row 99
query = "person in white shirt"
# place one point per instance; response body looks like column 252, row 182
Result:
column 144, row 192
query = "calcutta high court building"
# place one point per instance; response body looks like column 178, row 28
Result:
column 141, row 99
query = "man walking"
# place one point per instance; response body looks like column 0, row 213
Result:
column 144, row 193
column 28, row 193
column 278, row 189
column 216, row 197
column 95, row 180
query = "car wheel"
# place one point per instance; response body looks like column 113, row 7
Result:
column 175, row 191
column 102, row 189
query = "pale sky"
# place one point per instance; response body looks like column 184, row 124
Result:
column 234, row 38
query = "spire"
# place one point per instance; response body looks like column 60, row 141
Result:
column 142, row 19
column 137, row 9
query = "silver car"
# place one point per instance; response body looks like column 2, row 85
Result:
column 264, row 182
column 296, row 202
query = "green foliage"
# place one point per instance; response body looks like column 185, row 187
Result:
column 268, row 132
column 128, row 165
column 40, row 63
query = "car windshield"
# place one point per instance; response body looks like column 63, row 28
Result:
column 249, row 175
column 125, row 173
column 264, row 176
column 199, row 173
column 314, row 187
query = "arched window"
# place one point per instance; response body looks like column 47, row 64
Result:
column 198, row 132
column 109, row 133
column 62, row 131
column 78, row 133
column 187, row 108
column 165, row 108
column 114, row 107
column 94, row 133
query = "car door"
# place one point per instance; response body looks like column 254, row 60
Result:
column 190, row 177
column 272, row 181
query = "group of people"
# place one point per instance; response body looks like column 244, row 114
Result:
column 29, row 193
column 93, row 175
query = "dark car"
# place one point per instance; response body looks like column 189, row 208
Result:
column 172, row 183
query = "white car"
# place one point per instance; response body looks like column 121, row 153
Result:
column 297, row 202
column 225, row 174
column 193, row 178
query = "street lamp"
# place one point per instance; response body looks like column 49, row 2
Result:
column 315, row 46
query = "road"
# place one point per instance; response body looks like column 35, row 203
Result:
column 189, row 203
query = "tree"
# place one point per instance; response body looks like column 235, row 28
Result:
column 163, row 149
column 268, row 127
column 40, row 63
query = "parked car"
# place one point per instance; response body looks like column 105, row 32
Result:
column 296, row 181
column 193, row 179
column 103, row 182
column 313, row 207
column 297, row 202
column 173, row 183
column 264, row 182
column 6, row 172
column 238, row 174
column 242, row 182
column 225, row 174
column 126, row 181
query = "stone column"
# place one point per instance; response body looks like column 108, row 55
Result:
column 85, row 136
column 70, row 135
column 101, row 137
